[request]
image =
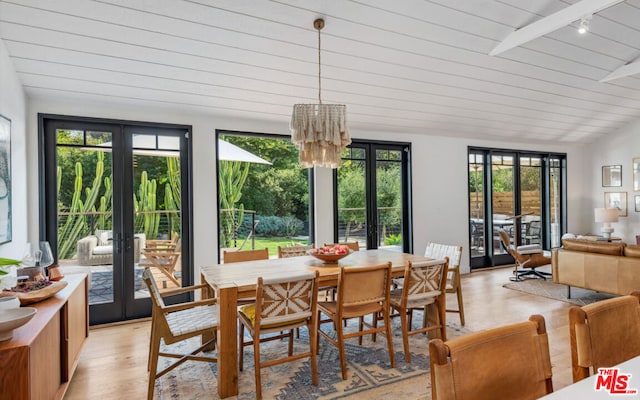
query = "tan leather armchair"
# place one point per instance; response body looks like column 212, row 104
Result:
column 510, row 362
column 604, row 334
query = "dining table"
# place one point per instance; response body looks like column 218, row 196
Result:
column 234, row 281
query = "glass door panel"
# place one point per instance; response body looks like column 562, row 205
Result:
column 389, row 199
column 351, row 193
column 157, row 219
column 530, row 231
column 502, row 198
column 555, row 209
column 85, row 209
column 476, row 205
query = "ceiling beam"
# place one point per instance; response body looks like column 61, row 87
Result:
column 626, row 70
column 551, row 23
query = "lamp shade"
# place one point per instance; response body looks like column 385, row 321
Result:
column 606, row 215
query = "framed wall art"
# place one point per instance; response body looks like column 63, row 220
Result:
column 616, row 200
column 637, row 201
column 5, row 180
column 612, row 175
column 636, row 174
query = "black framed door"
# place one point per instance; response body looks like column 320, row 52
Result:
column 109, row 188
column 372, row 196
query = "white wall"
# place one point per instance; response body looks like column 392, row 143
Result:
column 619, row 148
column 13, row 107
column 439, row 166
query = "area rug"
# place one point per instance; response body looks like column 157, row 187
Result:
column 369, row 372
column 556, row 291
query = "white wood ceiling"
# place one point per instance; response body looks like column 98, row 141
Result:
column 400, row 66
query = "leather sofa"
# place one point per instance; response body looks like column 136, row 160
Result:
column 601, row 266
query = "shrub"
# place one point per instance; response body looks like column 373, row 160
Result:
column 392, row 240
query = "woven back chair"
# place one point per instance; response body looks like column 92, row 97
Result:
column 281, row 306
column 454, row 253
column 175, row 323
column 604, row 334
column 424, row 285
column 506, row 363
column 361, row 291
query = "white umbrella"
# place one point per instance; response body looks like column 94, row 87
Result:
column 146, row 145
column 231, row 152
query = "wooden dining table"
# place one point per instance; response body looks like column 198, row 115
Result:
column 230, row 282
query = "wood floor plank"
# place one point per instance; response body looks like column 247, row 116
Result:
column 113, row 364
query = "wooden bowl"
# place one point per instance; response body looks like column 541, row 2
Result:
column 329, row 258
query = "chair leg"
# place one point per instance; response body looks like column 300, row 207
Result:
column 360, row 328
column 291, row 341
column 256, row 358
column 317, row 333
column 153, row 365
column 404, row 322
column 343, row 361
column 313, row 348
column 460, row 303
column 387, row 323
column 442, row 316
column 241, row 343
column 375, row 317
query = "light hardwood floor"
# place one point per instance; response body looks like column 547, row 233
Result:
column 114, row 359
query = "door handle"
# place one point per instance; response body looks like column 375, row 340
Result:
column 127, row 242
column 118, row 243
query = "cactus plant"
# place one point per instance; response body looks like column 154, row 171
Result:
column 232, row 176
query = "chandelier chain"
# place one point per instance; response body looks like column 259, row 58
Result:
column 319, row 71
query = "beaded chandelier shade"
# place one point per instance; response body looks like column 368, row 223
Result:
column 319, row 131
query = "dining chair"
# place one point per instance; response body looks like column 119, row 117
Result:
column 175, row 323
column 424, row 286
column 293, row 251
column 282, row 305
column 454, row 284
column 245, row 255
column 604, row 334
column 353, row 246
column 164, row 256
column 510, row 362
column 361, row 291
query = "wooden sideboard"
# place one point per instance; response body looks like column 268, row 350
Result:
column 40, row 359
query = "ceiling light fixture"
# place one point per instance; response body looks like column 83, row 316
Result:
column 584, row 24
column 319, row 131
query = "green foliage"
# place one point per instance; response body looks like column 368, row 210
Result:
column 76, row 223
column 231, row 178
column 393, row 240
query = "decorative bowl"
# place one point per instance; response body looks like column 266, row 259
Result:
column 12, row 319
column 329, row 258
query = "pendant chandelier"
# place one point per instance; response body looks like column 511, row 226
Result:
column 319, row 131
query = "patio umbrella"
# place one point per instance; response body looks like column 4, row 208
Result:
column 146, row 145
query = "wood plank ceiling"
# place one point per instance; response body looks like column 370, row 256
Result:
column 404, row 66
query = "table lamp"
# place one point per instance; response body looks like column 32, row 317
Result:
column 606, row 216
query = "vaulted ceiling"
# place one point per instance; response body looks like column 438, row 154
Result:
column 418, row 66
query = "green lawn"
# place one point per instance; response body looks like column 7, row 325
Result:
column 271, row 243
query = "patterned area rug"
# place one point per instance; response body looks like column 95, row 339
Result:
column 556, row 291
column 369, row 373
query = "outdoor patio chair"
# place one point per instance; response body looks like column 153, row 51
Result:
column 424, row 285
column 454, row 285
column 293, row 251
column 281, row 305
column 361, row 291
column 511, row 362
column 175, row 323
column 163, row 256
column 604, row 334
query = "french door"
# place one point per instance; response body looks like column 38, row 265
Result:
column 522, row 193
column 372, row 196
column 111, row 190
